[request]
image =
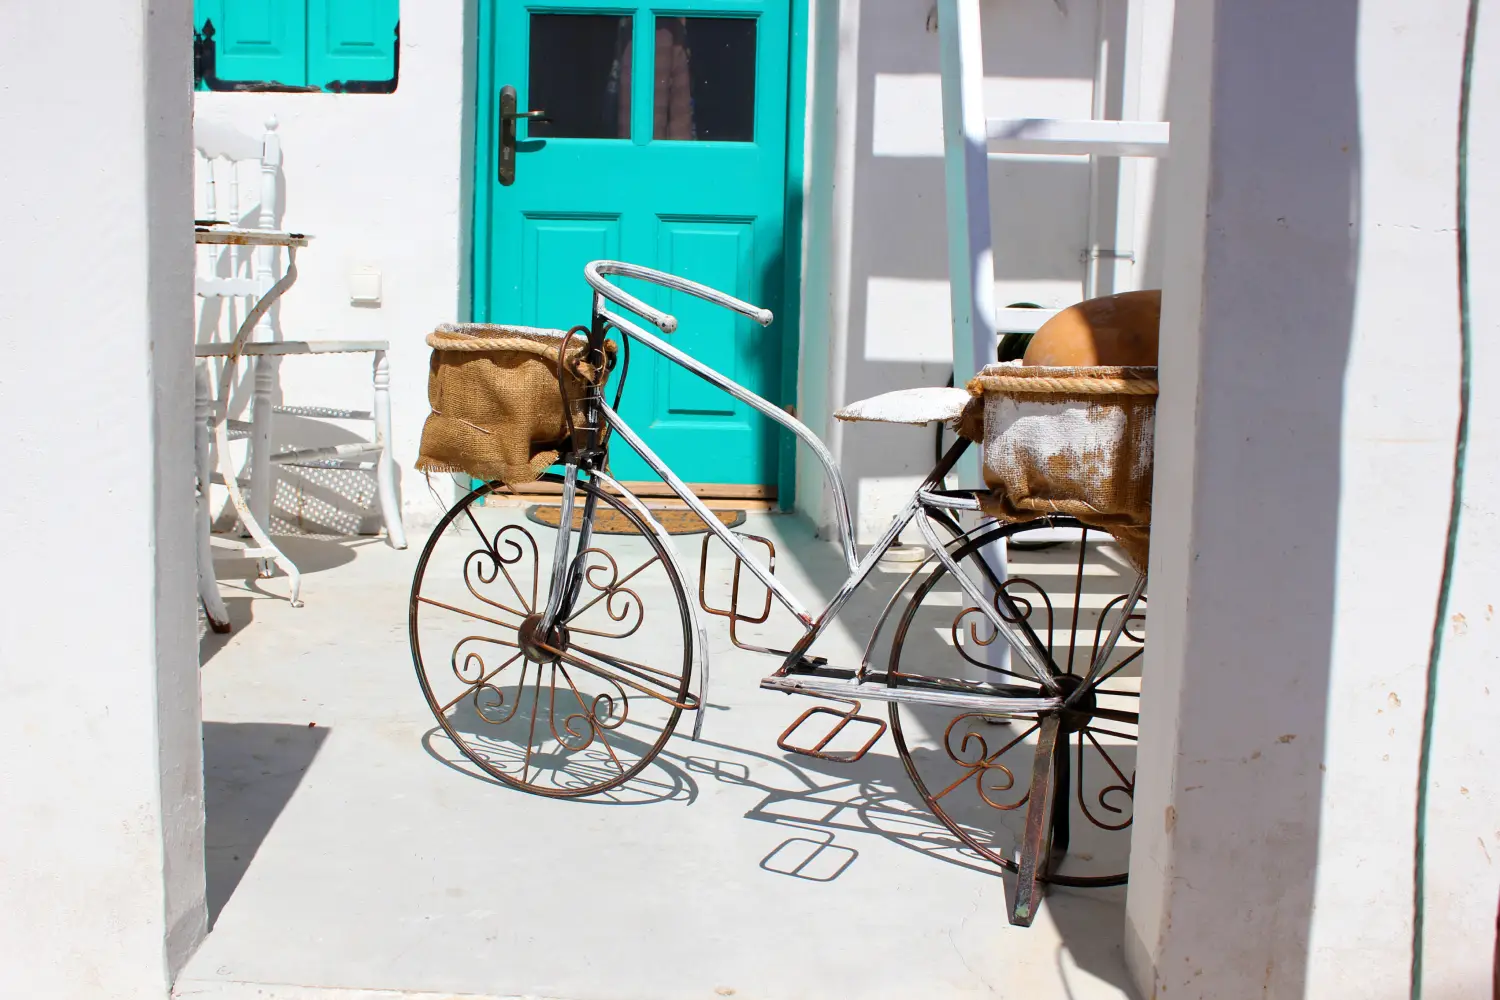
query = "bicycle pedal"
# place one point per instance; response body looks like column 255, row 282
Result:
column 844, row 718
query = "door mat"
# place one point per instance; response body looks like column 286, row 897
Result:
column 611, row 522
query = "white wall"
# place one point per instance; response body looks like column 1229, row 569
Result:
column 1304, row 452
column 380, row 181
column 876, row 306
column 101, row 841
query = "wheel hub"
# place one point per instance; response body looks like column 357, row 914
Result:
column 531, row 636
column 1081, row 712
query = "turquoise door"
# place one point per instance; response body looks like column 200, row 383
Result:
column 665, row 144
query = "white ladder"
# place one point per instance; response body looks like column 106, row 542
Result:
column 969, row 138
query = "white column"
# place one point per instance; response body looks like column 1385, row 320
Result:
column 1305, row 440
column 101, row 802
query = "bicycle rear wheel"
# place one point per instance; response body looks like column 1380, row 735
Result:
column 578, row 711
column 973, row 768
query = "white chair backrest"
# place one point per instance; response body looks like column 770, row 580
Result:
column 238, row 184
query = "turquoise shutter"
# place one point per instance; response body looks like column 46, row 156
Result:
column 261, row 41
column 352, row 41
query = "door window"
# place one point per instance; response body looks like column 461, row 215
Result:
column 580, row 76
column 705, row 79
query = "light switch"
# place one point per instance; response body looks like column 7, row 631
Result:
column 364, row 287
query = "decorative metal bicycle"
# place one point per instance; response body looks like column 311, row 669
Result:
column 560, row 659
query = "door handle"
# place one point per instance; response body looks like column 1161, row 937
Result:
column 508, row 118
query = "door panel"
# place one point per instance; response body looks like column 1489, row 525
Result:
column 554, row 251
column 666, row 147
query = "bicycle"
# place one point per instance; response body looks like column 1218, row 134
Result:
column 611, row 675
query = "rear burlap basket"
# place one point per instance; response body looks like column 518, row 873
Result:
column 497, row 412
column 1074, row 441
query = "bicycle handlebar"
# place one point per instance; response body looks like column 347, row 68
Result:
column 594, row 272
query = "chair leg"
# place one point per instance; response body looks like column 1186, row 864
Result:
column 208, row 585
column 385, row 463
column 261, row 469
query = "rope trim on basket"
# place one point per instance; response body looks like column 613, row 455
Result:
column 1103, row 381
column 544, row 343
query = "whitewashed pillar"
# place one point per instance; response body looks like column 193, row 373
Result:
column 101, row 781
column 1305, row 442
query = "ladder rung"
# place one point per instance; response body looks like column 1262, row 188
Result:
column 1022, row 320
column 1060, row 135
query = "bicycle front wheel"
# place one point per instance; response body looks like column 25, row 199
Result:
column 578, row 710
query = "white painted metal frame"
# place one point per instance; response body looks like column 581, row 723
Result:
column 919, row 508
column 256, row 337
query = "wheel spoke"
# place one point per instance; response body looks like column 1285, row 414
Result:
column 1083, row 554
column 1119, row 666
column 472, row 614
column 1129, row 783
column 536, row 709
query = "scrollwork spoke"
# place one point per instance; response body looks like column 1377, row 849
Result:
column 607, row 593
column 589, row 712
column 973, row 634
column 482, row 680
column 501, row 563
column 983, row 763
column 482, row 710
column 1126, row 787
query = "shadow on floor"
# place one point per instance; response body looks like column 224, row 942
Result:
column 250, row 772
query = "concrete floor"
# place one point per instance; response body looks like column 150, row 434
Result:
column 352, row 851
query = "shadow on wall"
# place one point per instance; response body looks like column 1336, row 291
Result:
column 250, row 772
column 1277, row 313
column 1040, row 61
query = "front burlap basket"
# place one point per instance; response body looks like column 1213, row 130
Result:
column 1074, row 441
column 497, row 411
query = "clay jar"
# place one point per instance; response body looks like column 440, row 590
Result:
column 1118, row 329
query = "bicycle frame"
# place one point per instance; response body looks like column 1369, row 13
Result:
column 930, row 503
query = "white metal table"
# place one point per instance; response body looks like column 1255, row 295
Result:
column 217, row 415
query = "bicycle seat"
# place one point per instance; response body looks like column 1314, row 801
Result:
column 909, row 406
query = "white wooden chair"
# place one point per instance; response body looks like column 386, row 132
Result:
column 230, row 279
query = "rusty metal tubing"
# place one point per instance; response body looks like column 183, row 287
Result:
column 1013, row 635
column 1036, row 839
column 852, row 714
column 842, row 520
column 733, row 612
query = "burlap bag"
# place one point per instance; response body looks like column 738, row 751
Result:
column 1074, row 441
column 497, row 412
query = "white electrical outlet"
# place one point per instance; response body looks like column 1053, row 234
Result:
column 364, row 287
